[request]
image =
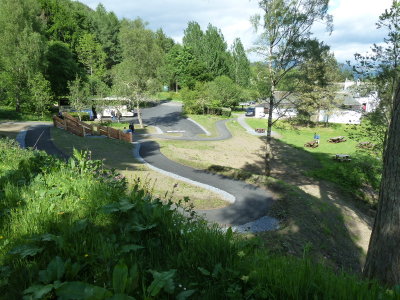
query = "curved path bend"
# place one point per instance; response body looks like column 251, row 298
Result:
column 250, row 203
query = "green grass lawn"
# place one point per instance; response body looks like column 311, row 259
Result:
column 362, row 171
column 301, row 135
column 208, row 122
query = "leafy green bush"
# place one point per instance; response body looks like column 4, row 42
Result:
column 84, row 116
column 74, row 232
column 362, row 170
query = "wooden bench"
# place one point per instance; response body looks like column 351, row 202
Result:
column 342, row 157
column 260, row 130
column 338, row 139
column 312, row 144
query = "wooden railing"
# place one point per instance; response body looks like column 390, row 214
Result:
column 114, row 133
column 80, row 128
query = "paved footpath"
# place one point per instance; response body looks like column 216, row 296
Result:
column 38, row 137
column 250, row 203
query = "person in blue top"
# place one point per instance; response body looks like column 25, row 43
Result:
column 316, row 138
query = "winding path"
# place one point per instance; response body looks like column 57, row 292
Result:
column 250, row 204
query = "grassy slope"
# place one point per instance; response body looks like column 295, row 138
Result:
column 119, row 155
column 308, row 221
column 74, row 234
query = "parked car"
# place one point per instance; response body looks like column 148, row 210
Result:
column 250, row 112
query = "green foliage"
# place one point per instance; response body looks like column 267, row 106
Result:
column 84, row 116
column 240, row 69
column 372, row 129
column 21, row 48
column 91, row 55
column 40, row 92
column 61, row 67
column 285, row 39
column 58, row 242
column 79, row 95
column 213, row 96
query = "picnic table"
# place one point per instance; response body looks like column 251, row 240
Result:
column 337, row 139
column 365, row 145
column 342, row 157
column 312, row 144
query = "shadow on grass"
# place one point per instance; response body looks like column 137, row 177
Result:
column 311, row 223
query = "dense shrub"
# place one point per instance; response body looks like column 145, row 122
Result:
column 84, row 116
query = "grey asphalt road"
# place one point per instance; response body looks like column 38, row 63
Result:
column 38, row 137
column 251, row 202
column 168, row 117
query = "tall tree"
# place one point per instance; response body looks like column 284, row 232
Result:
column 22, row 47
column 316, row 88
column 383, row 258
column 381, row 68
column 215, row 54
column 137, row 74
column 283, row 42
column 106, row 29
column 163, row 41
column 79, row 95
column 91, row 55
column 61, row 67
column 40, row 94
column 194, row 38
column 240, row 64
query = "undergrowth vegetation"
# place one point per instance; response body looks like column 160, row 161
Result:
column 74, row 230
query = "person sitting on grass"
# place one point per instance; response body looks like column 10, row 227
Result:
column 126, row 130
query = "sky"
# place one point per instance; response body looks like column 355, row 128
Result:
column 353, row 20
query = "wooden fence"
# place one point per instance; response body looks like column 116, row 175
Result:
column 79, row 128
column 114, row 133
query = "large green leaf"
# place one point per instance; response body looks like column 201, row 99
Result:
column 162, row 280
column 55, row 271
column 120, row 277
column 121, row 297
column 37, row 291
column 130, row 247
column 77, row 290
column 185, row 294
column 26, row 250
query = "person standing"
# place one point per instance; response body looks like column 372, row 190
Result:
column 316, row 137
column 112, row 115
column 132, row 127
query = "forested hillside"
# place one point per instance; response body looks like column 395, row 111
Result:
column 52, row 49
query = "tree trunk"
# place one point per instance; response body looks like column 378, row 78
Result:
column 383, row 259
column 17, row 105
column 139, row 114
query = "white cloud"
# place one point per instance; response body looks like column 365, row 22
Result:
column 354, row 26
column 354, row 20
